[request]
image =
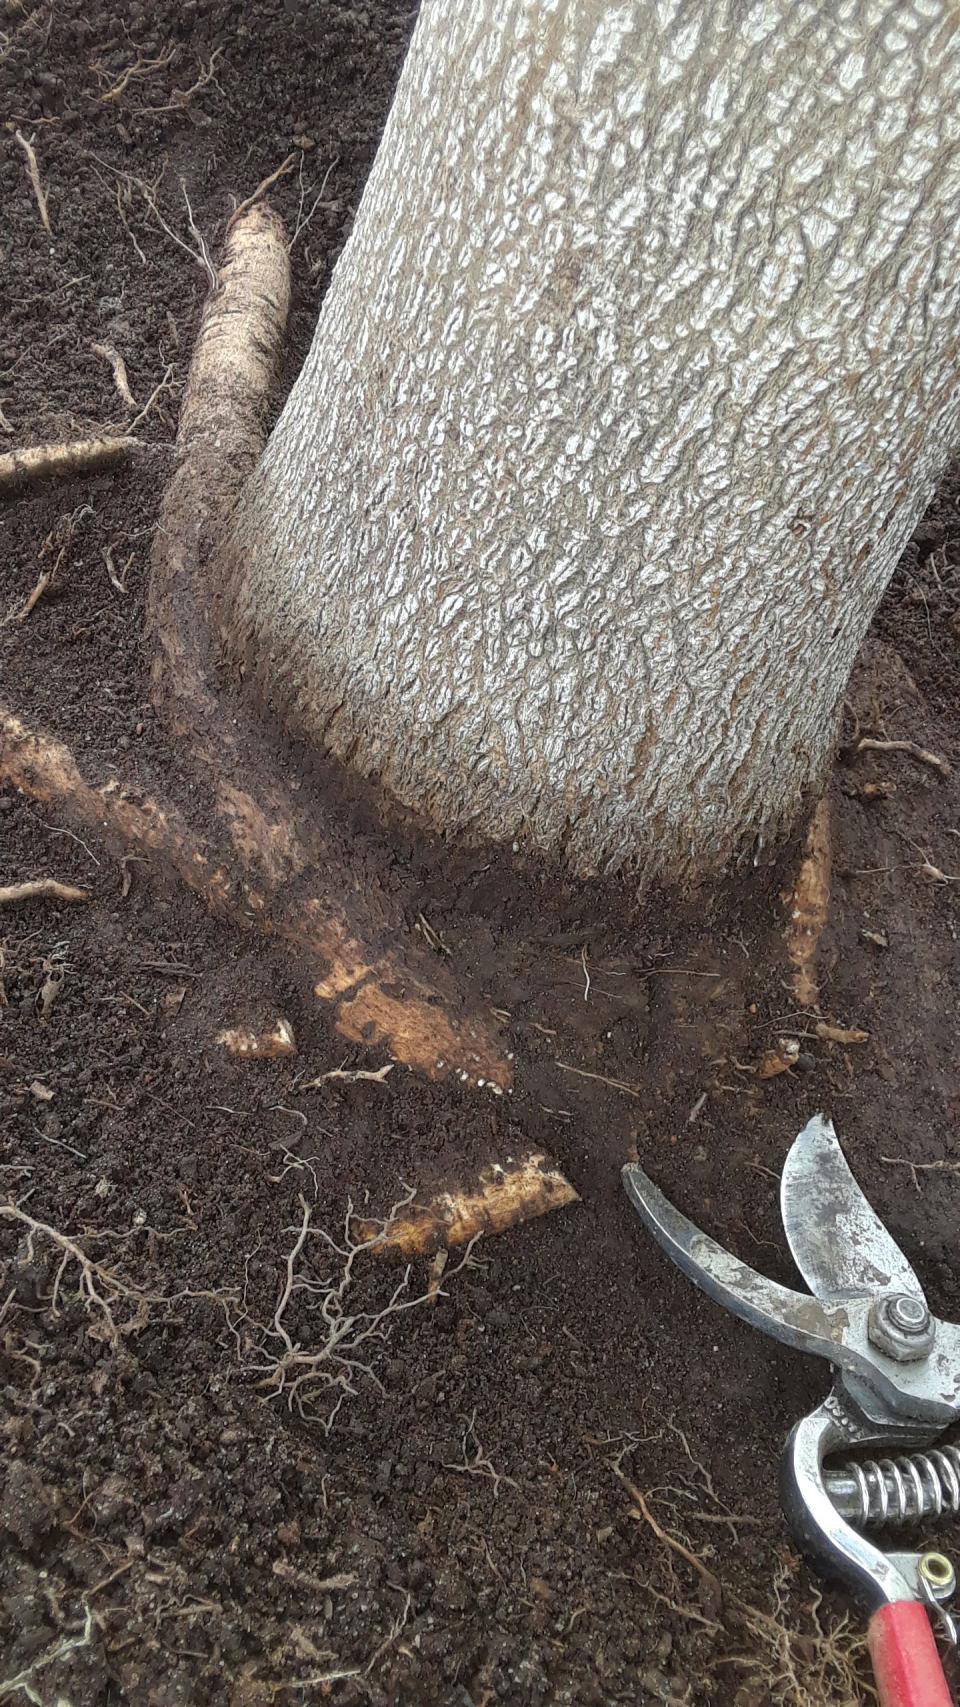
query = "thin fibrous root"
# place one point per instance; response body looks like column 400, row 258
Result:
column 76, row 456
column 502, row 1196
column 33, row 171
column 261, row 190
column 40, row 889
column 807, row 907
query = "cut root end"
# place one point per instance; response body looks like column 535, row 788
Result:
column 502, row 1196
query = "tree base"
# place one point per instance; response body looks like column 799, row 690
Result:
column 258, row 860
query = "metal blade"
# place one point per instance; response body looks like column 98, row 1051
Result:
column 793, row 1317
column 839, row 1243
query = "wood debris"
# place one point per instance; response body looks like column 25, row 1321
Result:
column 879, row 939
column 780, row 1059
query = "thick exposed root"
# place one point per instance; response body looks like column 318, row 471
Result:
column 807, row 907
column 76, row 456
column 501, row 1196
column 420, row 1027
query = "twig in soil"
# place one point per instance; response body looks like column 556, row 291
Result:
column 601, row 1078
column 479, row 1464
column 261, row 189
column 5, row 426
column 922, row 754
column 349, row 1076
column 432, row 937
column 77, row 456
column 40, row 889
column 118, row 366
column 201, row 254
column 55, row 830
column 32, row 599
column 940, row 1166
column 586, row 974
column 33, row 171
column 165, row 384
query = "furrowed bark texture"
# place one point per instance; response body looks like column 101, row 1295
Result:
column 632, row 379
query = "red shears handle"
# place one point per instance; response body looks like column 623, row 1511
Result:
column 906, row 1663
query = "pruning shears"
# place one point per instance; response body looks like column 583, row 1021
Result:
column 896, row 1388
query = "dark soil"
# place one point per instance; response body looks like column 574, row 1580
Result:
column 173, row 1530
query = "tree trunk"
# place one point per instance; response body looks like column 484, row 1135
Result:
column 629, row 386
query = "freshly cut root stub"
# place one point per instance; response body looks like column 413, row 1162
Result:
column 501, row 1196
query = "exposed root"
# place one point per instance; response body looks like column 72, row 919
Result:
column 22, row 1683
column 33, row 171
column 476, row 1462
column 808, row 905
column 372, row 1075
column 503, row 1196
column 600, row 1078
column 922, row 755
column 713, row 1591
column 118, row 366
column 40, row 889
column 100, row 1289
column 802, row 1665
column 413, row 1028
column 268, row 1044
column 266, row 850
column 261, row 190
column 78, row 456
column 345, row 1342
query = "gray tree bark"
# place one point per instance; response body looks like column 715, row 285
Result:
column 633, row 377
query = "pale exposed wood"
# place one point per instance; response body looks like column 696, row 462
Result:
column 807, row 907
column 267, row 1044
column 503, row 1195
